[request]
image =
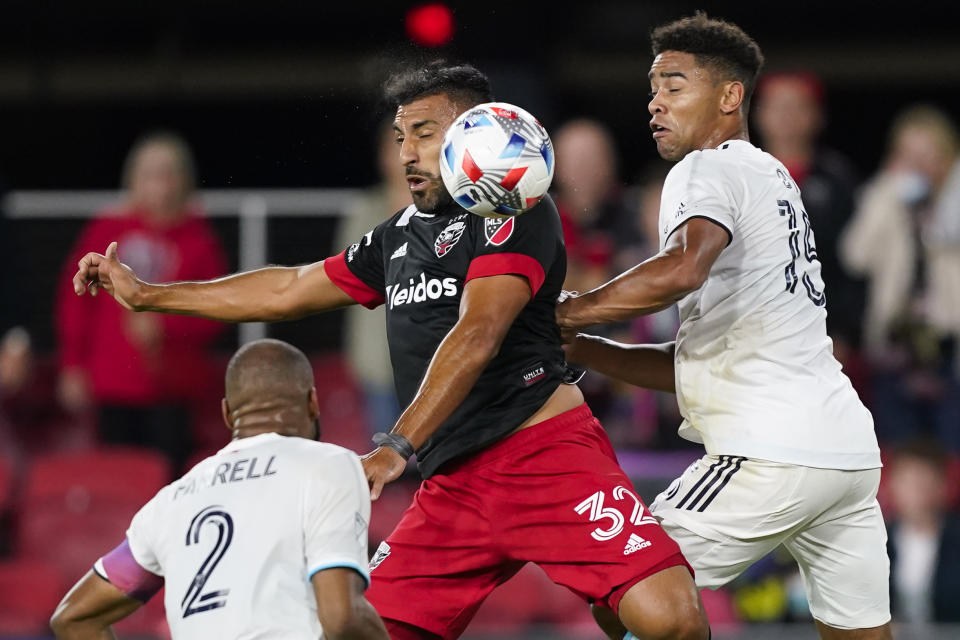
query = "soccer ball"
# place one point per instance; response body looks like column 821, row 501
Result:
column 496, row 160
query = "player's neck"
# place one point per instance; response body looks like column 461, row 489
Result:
column 251, row 431
column 284, row 421
column 724, row 132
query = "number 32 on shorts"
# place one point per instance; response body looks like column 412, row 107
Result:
column 596, row 511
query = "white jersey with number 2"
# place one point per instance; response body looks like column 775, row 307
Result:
column 755, row 372
column 238, row 537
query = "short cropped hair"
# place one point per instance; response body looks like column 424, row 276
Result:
column 463, row 83
column 270, row 368
column 715, row 43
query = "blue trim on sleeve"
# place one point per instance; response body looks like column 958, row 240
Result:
column 342, row 564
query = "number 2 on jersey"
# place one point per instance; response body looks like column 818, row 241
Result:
column 193, row 602
column 809, row 252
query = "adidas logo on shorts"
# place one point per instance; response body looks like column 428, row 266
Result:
column 635, row 543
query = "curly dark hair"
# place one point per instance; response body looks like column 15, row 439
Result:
column 715, row 43
column 462, row 82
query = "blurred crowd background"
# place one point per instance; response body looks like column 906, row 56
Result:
column 209, row 137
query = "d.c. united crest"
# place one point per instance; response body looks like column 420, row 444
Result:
column 449, row 237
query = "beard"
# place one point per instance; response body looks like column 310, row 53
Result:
column 433, row 199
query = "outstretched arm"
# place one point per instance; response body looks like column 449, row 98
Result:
column 89, row 609
column 268, row 294
column 487, row 310
column 681, row 268
column 643, row 365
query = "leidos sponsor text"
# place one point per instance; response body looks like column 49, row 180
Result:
column 421, row 290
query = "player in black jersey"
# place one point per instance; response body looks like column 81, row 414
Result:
column 516, row 469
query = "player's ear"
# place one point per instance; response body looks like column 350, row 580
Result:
column 732, row 97
column 225, row 412
column 313, row 405
column 313, row 410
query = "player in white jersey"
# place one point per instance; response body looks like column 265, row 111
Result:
column 791, row 458
column 265, row 539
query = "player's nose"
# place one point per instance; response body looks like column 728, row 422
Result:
column 408, row 152
column 655, row 106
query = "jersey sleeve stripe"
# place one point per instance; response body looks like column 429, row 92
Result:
column 121, row 569
column 713, row 220
column 497, row 264
column 340, row 275
column 342, row 564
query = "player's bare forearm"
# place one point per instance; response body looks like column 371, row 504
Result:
column 268, row 294
column 455, row 368
column 343, row 611
column 272, row 293
column 656, row 284
column 83, row 631
column 364, row 624
column 647, row 288
column 488, row 309
column 89, row 609
column 643, row 365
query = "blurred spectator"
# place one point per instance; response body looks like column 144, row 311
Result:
column 139, row 371
column 365, row 330
column 905, row 238
column 790, row 117
column 596, row 224
column 31, row 421
column 601, row 235
column 924, row 539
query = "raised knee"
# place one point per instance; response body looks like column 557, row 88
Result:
column 665, row 606
column 692, row 627
column 674, row 623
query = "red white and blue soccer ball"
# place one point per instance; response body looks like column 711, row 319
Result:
column 496, row 160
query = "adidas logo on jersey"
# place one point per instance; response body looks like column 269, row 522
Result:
column 432, row 289
column 400, row 252
column 635, row 543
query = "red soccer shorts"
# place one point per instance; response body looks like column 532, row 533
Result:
column 551, row 494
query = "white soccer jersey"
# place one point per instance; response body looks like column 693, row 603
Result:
column 755, row 372
column 238, row 537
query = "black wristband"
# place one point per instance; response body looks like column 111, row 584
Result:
column 396, row 442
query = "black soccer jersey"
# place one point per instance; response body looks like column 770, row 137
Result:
column 417, row 265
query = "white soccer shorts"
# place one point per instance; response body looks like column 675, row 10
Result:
column 727, row 512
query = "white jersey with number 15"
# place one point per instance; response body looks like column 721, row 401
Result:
column 755, row 372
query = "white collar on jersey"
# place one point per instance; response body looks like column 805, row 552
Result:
column 726, row 143
column 252, row 441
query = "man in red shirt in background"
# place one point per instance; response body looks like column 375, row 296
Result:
column 140, row 371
